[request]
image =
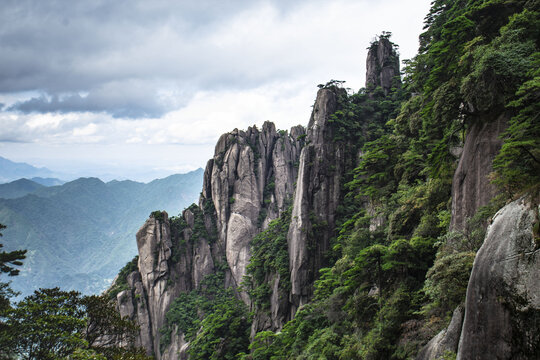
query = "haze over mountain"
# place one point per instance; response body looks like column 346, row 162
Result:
column 10, row 171
column 18, row 188
column 80, row 233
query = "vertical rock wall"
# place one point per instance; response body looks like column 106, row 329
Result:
column 316, row 198
column 248, row 183
column 161, row 278
column 382, row 65
column 502, row 309
column 471, row 186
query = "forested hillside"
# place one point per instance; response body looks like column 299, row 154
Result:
column 79, row 234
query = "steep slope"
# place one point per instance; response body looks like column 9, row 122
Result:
column 318, row 192
column 287, row 184
column 79, row 234
column 503, row 297
column 471, row 185
column 395, row 187
column 248, row 183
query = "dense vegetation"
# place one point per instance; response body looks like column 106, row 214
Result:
column 398, row 272
column 269, row 262
column 55, row 324
column 211, row 317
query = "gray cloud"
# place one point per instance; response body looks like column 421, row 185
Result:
column 139, row 58
column 127, row 99
column 68, row 47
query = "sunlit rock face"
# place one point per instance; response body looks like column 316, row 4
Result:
column 249, row 182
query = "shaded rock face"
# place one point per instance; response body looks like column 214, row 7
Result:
column 471, row 186
column 164, row 272
column 503, row 296
column 316, row 199
column 382, row 65
column 446, row 340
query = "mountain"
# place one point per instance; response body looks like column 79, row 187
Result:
column 10, row 171
column 18, row 188
column 48, row 181
column 80, row 233
column 401, row 223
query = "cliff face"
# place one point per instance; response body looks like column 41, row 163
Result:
column 382, row 65
column 254, row 177
column 502, row 307
column 162, row 276
column 248, row 183
column 316, row 199
column 257, row 176
column 503, row 297
column 471, row 185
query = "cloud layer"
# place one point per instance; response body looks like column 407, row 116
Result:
column 179, row 72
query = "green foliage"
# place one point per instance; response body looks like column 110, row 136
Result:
column 518, row 164
column 52, row 324
column 214, row 321
column 182, row 313
column 104, row 327
column 199, row 226
column 478, row 60
column 158, row 215
column 446, row 282
column 7, row 262
column 269, row 257
column 86, row 354
column 223, row 333
column 46, row 325
column 121, row 281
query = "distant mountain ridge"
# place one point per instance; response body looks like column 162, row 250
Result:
column 10, row 171
column 80, row 233
column 18, row 188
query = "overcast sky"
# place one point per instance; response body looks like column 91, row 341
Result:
column 140, row 89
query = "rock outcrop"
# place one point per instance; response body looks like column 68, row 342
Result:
column 445, row 341
column 503, row 296
column 254, row 177
column 316, row 198
column 164, row 271
column 249, row 182
column 382, row 65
